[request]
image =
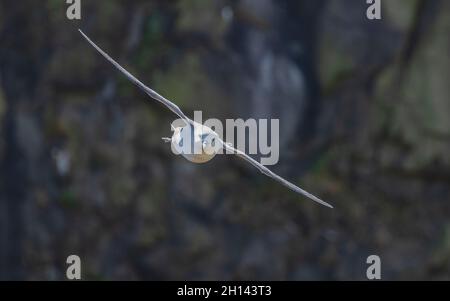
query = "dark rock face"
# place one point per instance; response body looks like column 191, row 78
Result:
column 363, row 108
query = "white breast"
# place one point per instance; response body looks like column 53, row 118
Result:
column 196, row 146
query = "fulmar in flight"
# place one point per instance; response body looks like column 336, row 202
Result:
column 205, row 140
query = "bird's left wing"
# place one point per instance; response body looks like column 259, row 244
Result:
column 273, row 175
column 173, row 107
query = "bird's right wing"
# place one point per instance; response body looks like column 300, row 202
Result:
column 173, row 107
column 273, row 175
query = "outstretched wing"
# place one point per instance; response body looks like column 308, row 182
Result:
column 271, row 174
column 173, row 107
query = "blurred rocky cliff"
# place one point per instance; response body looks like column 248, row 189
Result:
column 364, row 112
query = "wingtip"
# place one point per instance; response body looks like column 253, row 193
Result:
column 321, row 202
column 324, row 203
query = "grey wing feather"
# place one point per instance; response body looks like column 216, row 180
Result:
column 273, row 175
column 173, row 107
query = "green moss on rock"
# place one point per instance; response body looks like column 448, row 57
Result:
column 335, row 65
column 419, row 110
column 400, row 13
